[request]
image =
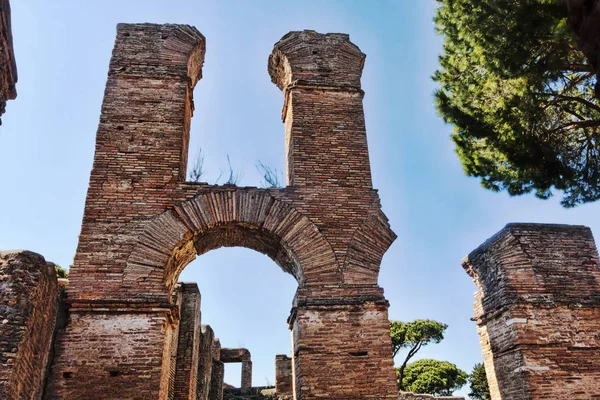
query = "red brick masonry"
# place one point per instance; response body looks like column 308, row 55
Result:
column 538, row 312
column 143, row 224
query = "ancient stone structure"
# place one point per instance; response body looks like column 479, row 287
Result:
column 143, row 224
column 284, row 376
column 240, row 356
column 8, row 66
column 538, row 311
column 29, row 304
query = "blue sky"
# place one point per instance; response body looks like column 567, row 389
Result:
column 440, row 215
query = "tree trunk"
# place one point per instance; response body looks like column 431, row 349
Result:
column 584, row 21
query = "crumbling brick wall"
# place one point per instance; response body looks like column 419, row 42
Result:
column 8, row 66
column 283, row 376
column 29, row 302
column 538, row 311
column 243, row 356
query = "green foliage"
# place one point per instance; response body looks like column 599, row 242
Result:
column 419, row 332
column 478, row 383
column 520, row 96
column 414, row 335
column 440, row 378
column 61, row 272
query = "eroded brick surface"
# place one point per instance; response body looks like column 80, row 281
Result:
column 29, row 302
column 538, row 311
column 205, row 362
column 188, row 345
column 283, row 376
column 8, row 66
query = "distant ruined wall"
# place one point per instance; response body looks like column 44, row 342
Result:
column 205, row 362
column 217, row 372
column 538, row 311
column 8, row 66
column 29, row 303
column 283, row 376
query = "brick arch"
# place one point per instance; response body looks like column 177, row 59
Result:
column 247, row 218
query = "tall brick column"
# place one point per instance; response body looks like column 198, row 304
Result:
column 119, row 344
column 342, row 347
column 538, row 311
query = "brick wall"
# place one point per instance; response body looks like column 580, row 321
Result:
column 538, row 311
column 8, row 66
column 29, row 302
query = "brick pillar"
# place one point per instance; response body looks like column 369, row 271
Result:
column 188, row 347
column 283, row 376
column 246, row 376
column 141, row 155
column 538, row 311
column 205, row 362
column 217, row 373
column 342, row 345
column 325, row 135
column 141, row 150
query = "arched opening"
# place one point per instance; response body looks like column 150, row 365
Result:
column 246, row 301
column 230, row 217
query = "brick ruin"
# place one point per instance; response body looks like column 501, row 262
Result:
column 240, row 356
column 8, row 66
column 124, row 328
column 537, row 311
column 143, row 224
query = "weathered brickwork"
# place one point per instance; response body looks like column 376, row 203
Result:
column 29, row 303
column 240, row 356
column 8, row 66
column 347, row 325
column 217, row 373
column 143, row 223
column 538, row 311
column 188, row 344
column 283, row 376
column 205, row 362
